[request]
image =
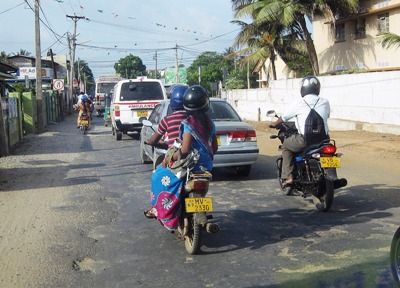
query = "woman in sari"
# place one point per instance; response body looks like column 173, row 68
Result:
column 197, row 132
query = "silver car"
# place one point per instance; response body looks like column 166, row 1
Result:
column 237, row 141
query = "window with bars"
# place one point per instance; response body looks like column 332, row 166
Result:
column 383, row 23
column 359, row 28
column 340, row 33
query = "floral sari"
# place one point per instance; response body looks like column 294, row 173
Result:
column 166, row 187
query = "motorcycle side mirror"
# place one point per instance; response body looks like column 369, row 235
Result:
column 147, row 123
column 271, row 113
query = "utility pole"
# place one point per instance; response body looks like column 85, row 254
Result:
column 38, row 65
column 199, row 75
column 176, row 63
column 155, row 58
column 73, row 39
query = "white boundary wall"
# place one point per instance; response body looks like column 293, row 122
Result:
column 366, row 102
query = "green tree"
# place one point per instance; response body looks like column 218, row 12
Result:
column 292, row 13
column 84, row 75
column 20, row 87
column 389, row 40
column 3, row 55
column 130, row 67
column 211, row 69
column 237, row 79
column 23, row 52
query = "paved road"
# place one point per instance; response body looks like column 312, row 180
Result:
column 72, row 213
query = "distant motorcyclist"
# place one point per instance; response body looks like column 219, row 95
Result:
column 168, row 129
column 83, row 106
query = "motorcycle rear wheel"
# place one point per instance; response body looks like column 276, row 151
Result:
column 193, row 236
column 395, row 256
column 325, row 196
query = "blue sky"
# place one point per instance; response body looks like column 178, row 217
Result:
column 117, row 28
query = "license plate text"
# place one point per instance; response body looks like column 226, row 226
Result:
column 198, row 205
column 330, row 162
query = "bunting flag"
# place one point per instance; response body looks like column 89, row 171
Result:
column 158, row 24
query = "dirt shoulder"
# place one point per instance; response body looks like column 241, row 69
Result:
column 374, row 155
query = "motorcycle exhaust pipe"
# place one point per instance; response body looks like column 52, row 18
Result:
column 212, row 228
column 338, row 183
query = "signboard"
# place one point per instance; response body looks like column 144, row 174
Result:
column 47, row 73
column 58, row 84
column 170, row 76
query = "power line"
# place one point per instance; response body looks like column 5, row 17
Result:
column 12, row 7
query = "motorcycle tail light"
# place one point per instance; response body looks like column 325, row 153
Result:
column 329, row 149
column 200, row 186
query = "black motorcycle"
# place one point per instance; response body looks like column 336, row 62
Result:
column 315, row 169
column 395, row 256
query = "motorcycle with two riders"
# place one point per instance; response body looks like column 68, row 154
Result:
column 195, row 206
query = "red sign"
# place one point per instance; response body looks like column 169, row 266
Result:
column 58, row 84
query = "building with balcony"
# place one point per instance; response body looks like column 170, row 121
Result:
column 354, row 41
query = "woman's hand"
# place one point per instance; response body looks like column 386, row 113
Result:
column 166, row 161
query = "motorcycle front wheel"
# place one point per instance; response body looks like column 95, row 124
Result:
column 193, row 236
column 395, row 256
column 325, row 195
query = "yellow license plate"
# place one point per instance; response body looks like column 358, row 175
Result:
column 84, row 122
column 198, row 205
column 142, row 113
column 330, row 162
column 219, row 140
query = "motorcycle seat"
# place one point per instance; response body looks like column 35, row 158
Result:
column 310, row 147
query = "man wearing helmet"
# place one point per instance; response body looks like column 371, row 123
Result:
column 310, row 88
column 83, row 105
column 169, row 125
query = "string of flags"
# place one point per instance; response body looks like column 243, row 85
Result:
column 115, row 15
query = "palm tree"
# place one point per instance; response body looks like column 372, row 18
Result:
column 3, row 55
column 389, row 40
column 294, row 12
column 84, row 74
column 264, row 40
column 23, row 52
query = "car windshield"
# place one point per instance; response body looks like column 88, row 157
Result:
column 105, row 87
column 222, row 111
column 136, row 91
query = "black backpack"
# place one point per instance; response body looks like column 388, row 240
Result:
column 314, row 128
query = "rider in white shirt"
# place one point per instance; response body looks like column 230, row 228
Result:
column 310, row 88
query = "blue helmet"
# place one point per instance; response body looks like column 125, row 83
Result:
column 176, row 99
column 84, row 98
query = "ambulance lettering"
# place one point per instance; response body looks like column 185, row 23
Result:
column 142, row 105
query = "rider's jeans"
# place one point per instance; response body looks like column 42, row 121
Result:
column 291, row 145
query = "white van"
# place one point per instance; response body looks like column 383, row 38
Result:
column 132, row 101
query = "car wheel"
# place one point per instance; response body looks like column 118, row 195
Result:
column 244, row 170
column 118, row 135
column 144, row 159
